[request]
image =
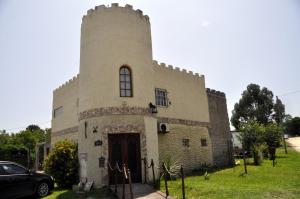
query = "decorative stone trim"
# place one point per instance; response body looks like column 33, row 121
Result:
column 98, row 112
column 125, row 110
column 182, row 122
column 124, row 129
column 73, row 129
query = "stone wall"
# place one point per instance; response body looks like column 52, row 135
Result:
column 220, row 130
column 192, row 156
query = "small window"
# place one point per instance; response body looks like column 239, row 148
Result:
column 186, row 142
column 161, row 98
column 125, row 82
column 13, row 169
column 203, row 142
column 58, row 111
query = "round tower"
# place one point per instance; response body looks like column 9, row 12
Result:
column 112, row 37
column 115, row 89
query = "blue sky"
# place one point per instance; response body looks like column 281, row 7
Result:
column 232, row 42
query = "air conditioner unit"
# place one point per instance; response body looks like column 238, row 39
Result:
column 163, row 127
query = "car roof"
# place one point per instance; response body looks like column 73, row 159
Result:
column 7, row 162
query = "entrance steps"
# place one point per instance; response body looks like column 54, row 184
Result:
column 140, row 191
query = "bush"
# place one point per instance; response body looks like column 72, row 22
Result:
column 62, row 163
column 14, row 153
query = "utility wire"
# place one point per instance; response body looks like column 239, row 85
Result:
column 290, row 93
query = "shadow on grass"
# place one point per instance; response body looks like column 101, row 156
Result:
column 103, row 193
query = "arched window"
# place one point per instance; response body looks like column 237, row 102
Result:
column 125, row 82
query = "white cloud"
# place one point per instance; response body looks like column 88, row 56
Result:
column 205, row 23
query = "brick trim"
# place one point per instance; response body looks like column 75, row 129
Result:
column 182, row 122
column 98, row 112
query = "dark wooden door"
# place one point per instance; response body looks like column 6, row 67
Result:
column 125, row 149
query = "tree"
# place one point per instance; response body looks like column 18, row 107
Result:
column 4, row 138
column 292, row 126
column 29, row 138
column 272, row 135
column 62, row 163
column 33, row 127
column 256, row 104
column 279, row 111
column 252, row 138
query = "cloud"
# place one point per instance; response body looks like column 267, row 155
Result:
column 205, row 23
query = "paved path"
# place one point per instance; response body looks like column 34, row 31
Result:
column 140, row 191
column 294, row 142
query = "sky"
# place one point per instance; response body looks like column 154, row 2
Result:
column 232, row 42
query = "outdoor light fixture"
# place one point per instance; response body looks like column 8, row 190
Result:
column 153, row 108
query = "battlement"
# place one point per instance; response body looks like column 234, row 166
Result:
column 176, row 69
column 68, row 83
column 214, row 92
column 116, row 6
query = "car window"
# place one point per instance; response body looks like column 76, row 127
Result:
column 13, row 169
column 2, row 172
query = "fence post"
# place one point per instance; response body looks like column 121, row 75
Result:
column 130, row 184
column 245, row 164
column 153, row 173
column 182, row 179
column 145, row 170
column 165, row 177
column 123, row 197
column 116, row 177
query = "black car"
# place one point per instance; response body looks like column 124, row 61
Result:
column 17, row 181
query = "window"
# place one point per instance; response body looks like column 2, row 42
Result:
column 161, row 97
column 125, row 82
column 203, row 142
column 13, row 169
column 2, row 172
column 186, row 142
column 58, row 111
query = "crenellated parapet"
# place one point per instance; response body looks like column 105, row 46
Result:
column 176, row 69
column 215, row 93
column 68, row 83
column 115, row 6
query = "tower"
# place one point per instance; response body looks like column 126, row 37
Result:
column 115, row 88
column 112, row 37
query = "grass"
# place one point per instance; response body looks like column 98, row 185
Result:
column 69, row 194
column 261, row 182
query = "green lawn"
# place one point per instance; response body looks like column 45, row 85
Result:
column 265, row 181
column 69, row 194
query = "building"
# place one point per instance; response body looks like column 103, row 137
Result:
column 123, row 106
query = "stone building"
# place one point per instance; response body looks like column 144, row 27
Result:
column 123, row 106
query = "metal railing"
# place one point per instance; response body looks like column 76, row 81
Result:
column 126, row 175
column 165, row 172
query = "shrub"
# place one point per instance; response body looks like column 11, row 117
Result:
column 62, row 163
column 14, row 153
column 172, row 168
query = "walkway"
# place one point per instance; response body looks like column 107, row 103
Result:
column 140, row 191
column 294, row 142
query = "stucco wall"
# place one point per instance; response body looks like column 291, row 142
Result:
column 192, row 157
column 112, row 37
column 65, row 96
column 186, row 93
column 69, row 136
column 106, row 125
column 152, row 146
